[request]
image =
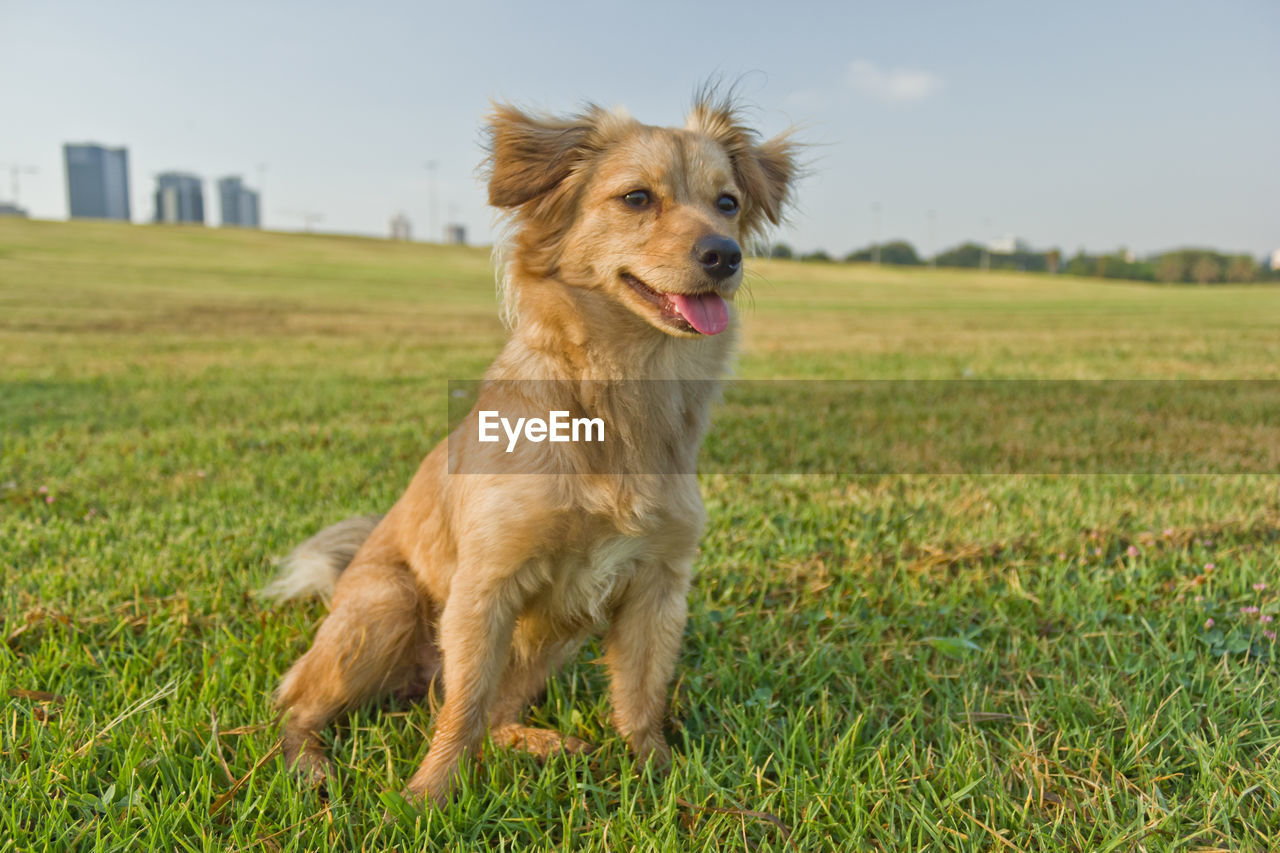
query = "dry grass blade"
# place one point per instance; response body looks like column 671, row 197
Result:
column 36, row 695
column 217, row 748
column 221, row 802
column 266, row 838
column 765, row 816
column 138, row 707
column 992, row 832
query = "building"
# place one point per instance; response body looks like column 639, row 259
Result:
column 179, row 198
column 1007, row 244
column 238, row 203
column 1275, row 260
column 401, row 229
column 455, row 234
column 97, row 181
column 8, row 209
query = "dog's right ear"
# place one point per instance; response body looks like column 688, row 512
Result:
column 531, row 155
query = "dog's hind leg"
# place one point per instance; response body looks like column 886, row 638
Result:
column 370, row 644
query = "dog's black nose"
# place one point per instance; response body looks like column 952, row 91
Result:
column 719, row 256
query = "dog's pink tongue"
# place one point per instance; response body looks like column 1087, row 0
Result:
column 706, row 312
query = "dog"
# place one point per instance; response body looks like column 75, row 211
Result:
column 620, row 266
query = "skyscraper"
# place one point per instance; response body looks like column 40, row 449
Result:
column 239, row 203
column 179, row 198
column 97, row 181
column 401, row 229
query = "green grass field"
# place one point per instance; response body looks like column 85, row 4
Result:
column 889, row 663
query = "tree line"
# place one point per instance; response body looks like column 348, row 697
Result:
column 1191, row 266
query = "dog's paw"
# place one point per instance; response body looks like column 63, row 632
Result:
column 652, row 752
column 311, row 766
column 542, row 743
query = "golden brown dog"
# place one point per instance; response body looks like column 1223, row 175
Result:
column 622, row 261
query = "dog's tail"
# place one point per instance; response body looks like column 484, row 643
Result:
column 313, row 567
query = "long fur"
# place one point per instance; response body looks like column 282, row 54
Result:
column 313, row 567
column 488, row 577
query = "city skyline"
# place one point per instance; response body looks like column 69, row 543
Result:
column 1138, row 125
column 97, row 181
column 238, row 205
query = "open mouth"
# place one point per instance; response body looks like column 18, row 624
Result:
column 703, row 313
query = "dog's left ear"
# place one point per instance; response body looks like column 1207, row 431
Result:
column 764, row 171
column 531, row 155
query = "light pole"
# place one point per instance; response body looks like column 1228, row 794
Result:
column 308, row 217
column 16, row 169
column 875, row 232
column 430, row 166
column 262, row 182
column 932, row 216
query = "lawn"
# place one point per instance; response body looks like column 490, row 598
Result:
column 892, row 662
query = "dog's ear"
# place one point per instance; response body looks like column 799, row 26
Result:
column 531, row 155
column 764, row 171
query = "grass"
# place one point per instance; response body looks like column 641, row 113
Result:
column 872, row 662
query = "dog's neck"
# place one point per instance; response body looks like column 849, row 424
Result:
column 573, row 333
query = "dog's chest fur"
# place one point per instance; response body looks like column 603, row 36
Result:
column 582, row 584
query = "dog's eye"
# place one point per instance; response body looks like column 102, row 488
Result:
column 727, row 204
column 638, row 199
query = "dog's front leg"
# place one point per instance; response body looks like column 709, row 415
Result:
column 641, row 650
column 475, row 640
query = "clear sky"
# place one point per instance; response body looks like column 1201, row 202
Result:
column 1084, row 124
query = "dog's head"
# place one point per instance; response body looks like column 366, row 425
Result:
column 653, row 217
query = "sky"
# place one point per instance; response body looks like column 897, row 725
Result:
column 1096, row 125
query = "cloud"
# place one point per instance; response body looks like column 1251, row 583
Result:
column 898, row 85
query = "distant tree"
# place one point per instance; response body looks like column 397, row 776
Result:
column 817, row 255
column 1119, row 265
column 1052, row 259
column 1241, row 268
column 897, row 252
column 1171, row 267
column 1081, row 264
column 900, row 253
column 781, row 251
column 967, row 255
column 1206, row 269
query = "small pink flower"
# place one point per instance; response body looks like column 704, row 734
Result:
column 1198, row 599
column 1168, row 531
column 48, row 499
column 1248, row 609
column 1132, row 550
column 1097, row 552
column 1061, row 555
column 1265, row 618
column 1259, row 586
column 1208, row 623
column 1208, row 567
column 44, row 490
column 1270, row 635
